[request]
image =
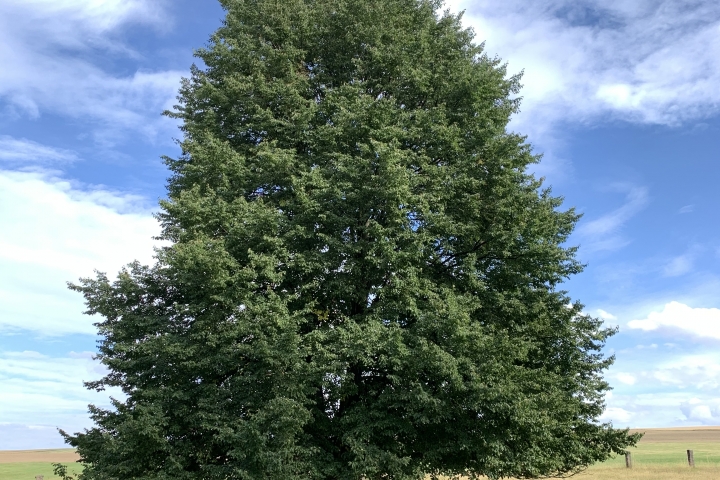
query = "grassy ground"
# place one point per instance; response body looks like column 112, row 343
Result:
column 660, row 455
column 662, row 461
column 27, row 464
column 650, row 454
column 29, row 470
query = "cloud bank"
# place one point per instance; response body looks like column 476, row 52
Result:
column 42, row 393
column 678, row 317
column 54, row 232
column 662, row 388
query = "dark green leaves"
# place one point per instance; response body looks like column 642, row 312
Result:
column 363, row 278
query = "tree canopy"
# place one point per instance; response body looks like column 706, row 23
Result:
column 363, row 280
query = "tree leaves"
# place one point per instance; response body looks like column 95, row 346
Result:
column 363, row 278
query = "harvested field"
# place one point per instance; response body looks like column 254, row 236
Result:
column 682, row 434
column 64, row 455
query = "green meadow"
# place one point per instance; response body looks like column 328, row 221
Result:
column 650, row 454
column 29, row 470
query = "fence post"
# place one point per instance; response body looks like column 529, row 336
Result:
column 691, row 458
column 628, row 459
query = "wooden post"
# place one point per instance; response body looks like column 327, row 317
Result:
column 628, row 459
column 39, row 477
column 691, row 458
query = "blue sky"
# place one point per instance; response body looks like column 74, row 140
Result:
column 621, row 98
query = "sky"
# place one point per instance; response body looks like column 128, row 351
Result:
column 620, row 97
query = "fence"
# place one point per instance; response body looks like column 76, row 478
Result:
column 629, row 462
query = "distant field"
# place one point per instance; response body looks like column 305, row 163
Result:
column 23, row 456
column 26, row 464
column 661, row 455
column 681, row 434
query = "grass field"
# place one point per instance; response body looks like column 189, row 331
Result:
column 27, row 464
column 661, row 455
column 28, row 470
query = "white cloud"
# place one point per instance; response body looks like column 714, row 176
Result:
column 676, row 316
column 605, row 315
column 604, row 233
column 703, row 411
column 626, row 378
column 52, row 233
column 45, row 51
column 616, row 415
column 42, row 392
column 644, row 61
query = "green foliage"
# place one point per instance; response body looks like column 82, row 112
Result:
column 363, row 278
column 61, row 470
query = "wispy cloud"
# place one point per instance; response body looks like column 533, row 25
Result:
column 47, row 47
column 687, row 209
column 70, row 22
column 644, row 61
column 15, row 151
column 604, row 233
column 680, row 265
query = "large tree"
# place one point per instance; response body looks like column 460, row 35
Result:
column 363, row 279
